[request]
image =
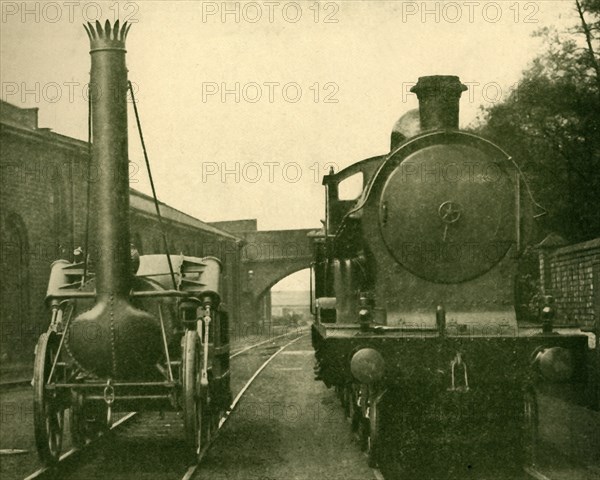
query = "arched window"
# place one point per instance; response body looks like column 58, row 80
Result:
column 14, row 286
column 350, row 188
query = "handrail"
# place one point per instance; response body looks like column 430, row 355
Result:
column 142, row 294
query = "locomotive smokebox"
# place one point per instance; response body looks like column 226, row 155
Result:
column 439, row 97
column 113, row 338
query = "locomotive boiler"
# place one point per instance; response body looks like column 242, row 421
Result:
column 127, row 332
column 414, row 287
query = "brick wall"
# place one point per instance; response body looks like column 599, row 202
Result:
column 37, row 227
column 569, row 274
column 42, row 217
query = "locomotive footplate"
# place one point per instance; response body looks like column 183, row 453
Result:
column 124, row 396
column 457, row 364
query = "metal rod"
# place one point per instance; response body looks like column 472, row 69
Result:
column 114, row 384
column 160, row 222
column 60, row 345
column 164, row 337
column 312, row 310
column 518, row 212
column 145, row 294
column 130, row 397
column 88, row 193
column 72, row 201
column 164, row 293
column 207, row 321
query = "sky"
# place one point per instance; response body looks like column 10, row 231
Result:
column 245, row 105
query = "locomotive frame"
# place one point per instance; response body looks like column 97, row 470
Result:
column 393, row 329
column 199, row 389
column 128, row 332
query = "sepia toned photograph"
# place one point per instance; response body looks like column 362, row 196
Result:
column 300, row 240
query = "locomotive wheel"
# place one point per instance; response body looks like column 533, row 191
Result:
column 362, row 411
column 349, row 405
column 339, row 394
column 48, row 413
column 343, row 394
column 344, row 397
column 373, row 440
column 195, row 418
column 530, row 428
column 353, row 411
column 363, row 434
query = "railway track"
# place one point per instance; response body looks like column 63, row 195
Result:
column 192, row 469
column 156, row 453
column 45, row 471
column 142, row 427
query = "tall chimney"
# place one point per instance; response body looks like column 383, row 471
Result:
column 439, row 96
column 108, row 94
column 113, row 338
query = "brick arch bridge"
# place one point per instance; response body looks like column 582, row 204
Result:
column 266, row 258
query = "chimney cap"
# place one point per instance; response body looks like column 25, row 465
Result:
column 107, row 38
column 442, row 84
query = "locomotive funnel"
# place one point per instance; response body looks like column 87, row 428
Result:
column 439, row 96
column 113, row 338
column 108, row 93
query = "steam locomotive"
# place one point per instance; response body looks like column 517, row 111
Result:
column 128, row 332
column 413, row 296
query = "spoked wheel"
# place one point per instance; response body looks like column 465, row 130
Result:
column 194, row 406
column 530, row 428
column 48, row 412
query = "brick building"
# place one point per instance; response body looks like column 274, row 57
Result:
column 42, row 218
column 571, row 274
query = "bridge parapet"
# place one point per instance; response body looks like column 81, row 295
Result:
column 276, row 245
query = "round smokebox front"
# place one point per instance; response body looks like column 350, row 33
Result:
column 447, row 212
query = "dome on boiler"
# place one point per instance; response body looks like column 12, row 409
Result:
column 408, row 125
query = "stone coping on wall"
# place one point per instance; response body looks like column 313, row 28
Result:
column 589, row 247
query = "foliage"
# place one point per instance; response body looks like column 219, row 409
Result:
column 528, row 289
column 551, row 125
